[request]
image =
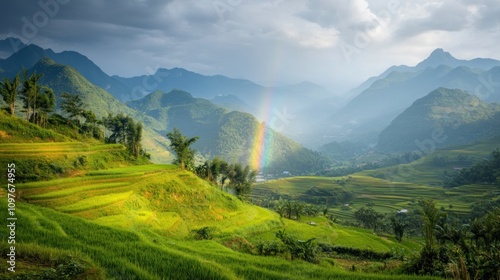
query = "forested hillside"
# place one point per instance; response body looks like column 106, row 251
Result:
column 443, row 118
column 232, row 135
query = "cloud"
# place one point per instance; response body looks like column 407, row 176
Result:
column 432, row 16
column 262, row 40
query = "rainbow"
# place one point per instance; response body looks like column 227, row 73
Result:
column 261, row 151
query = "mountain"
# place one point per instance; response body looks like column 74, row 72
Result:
column 232, row 135
column 288, row 109
column 233, row 103
column 367, row 114
column 62, row 78
column 443, row 118
column 28, row 56
column 441, row 57
column 9, row 46
column 268, row 104
column 199, row 85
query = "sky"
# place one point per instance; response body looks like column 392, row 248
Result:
column 335, row 43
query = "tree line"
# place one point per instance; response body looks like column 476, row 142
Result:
column 217, row 171
column 484, row 172
column 463, row 249
column 39, row 102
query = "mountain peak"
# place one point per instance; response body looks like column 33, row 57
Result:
column 439, row 52
column 438, row 57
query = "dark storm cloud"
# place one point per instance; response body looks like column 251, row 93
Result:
column 90, row 20
column 264, row 40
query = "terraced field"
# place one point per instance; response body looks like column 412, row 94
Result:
column 14, row 150
column 393, row 188
column 137, row 223
column 385, row 196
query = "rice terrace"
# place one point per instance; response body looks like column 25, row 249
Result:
column 249, row 140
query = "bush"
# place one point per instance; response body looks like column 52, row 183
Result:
column 270, row 248
column 299, row 249
column 355, row 252
column 204, row 233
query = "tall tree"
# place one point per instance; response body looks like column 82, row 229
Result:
column 72, row 104
column 182, row 148
column 241, row 179
column 399, row 224
column 134, row 137
column 368, row 217
column 30, row 92
column 430, row 215
column 9, row 89
column 125, row 131
column 46, row 104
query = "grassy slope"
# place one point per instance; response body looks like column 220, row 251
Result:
column 144, row 230
column 42, row 154
column 394, row 188
column 134, row 222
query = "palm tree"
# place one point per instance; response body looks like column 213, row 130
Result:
column 8, row 90
column 430, row 216
column 182, row 148
column 46, row 102
column 30, row 92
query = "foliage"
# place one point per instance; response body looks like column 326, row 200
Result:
column 368, row 217
column 484, row 172
column 293, row 209
column 355, row 252
column 399, row 224
column 241, row 179
column 430, row 215
column 182, row 148
column 46, row 104
column 9, row 90
column 73, row 106
column 204, row 233
column 126, row 131
column 299, row 249
column 270, row 248
column 30, row 92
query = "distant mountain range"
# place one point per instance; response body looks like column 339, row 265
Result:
column 383, row 98
column 304, row 112
column 234, row 94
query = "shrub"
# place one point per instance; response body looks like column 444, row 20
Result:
column 204, row 233
column 299, row 249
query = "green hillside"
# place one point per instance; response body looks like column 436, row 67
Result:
column 105, row 217
column 392, row 188
column 42, row 154
column 232, row 135
column 443, row 118
column 62, row 78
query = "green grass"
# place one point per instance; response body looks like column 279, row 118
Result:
column 124, row 219
column 127, row 255
column 385, row 196
column 429, row 170
column 34, row 260
column 94, row 202
column 394, row 188
column 138, row 223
